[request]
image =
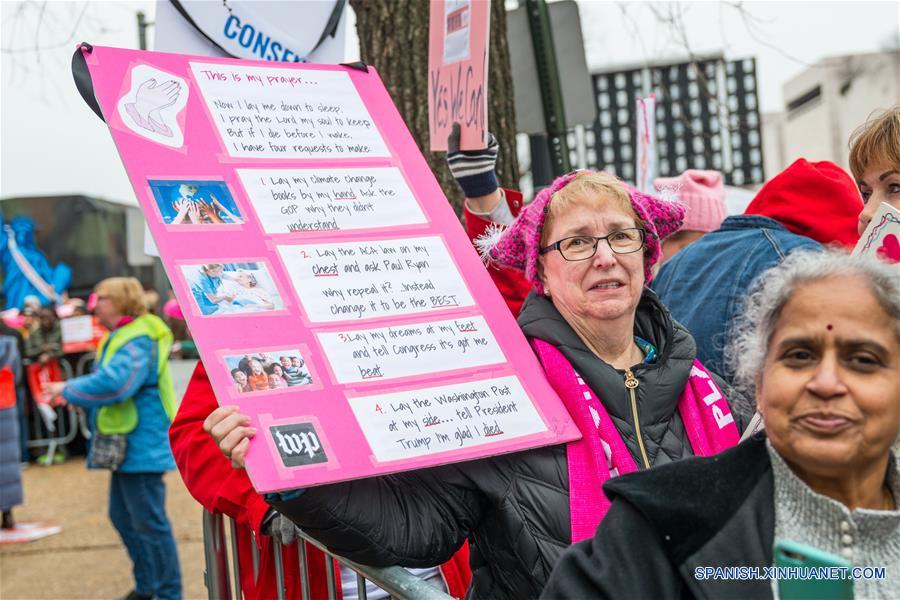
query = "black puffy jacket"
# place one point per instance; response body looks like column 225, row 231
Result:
column 717, row 512
column 660, row 383
column 513, row 508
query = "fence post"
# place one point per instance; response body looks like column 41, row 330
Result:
column 361, row 587
column 235, row 559
column 279, row 569
column 304, row 567
column 329, row 574
column 216, row 558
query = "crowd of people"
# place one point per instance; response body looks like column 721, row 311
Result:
column 735, row 379
column 37, row 333
column 130, row 402
column 664, row 354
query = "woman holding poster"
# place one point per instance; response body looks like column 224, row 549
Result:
column 626, row 371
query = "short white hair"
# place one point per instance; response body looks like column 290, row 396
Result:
column 752, row 331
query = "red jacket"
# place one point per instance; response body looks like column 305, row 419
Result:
column 512, row 284
column 212, row 481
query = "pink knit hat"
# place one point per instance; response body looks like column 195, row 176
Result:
column 172, row 309
column 703, row 195
column 518, row 246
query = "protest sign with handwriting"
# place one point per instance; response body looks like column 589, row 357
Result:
column 328, row 285
column 458, row 34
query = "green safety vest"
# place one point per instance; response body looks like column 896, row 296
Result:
column 122, row 417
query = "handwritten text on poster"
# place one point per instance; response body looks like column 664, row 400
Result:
column 414, row 349
column 449, row 417
column 377, row 278
column 297, row 200
column 263, row 112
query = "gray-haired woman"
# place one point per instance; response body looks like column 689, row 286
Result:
column 820, row 345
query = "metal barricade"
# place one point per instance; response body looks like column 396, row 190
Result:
column 220, row 563
column 84, row 363
column 56, row 426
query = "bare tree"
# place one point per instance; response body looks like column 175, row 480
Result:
column 38, row 38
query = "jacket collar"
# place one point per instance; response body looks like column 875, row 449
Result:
column 123, row 322
column 690, row 502
column 751, row 222
column 661, row 382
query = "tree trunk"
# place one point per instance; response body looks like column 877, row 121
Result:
column 393, row 38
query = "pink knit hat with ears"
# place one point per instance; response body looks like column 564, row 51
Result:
column 703, row 195
column 518, row 246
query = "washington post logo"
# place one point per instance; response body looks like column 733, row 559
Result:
column 298, row 444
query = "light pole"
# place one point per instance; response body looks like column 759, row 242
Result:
column 548, row 82
column 143, row 24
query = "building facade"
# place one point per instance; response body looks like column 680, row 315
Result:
column 824, row 105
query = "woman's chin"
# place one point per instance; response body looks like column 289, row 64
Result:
column 826, row 455
column 609, row 307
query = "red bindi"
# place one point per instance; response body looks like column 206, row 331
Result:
column 830, row 327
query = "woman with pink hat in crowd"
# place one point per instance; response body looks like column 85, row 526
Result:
column 625, row 370
column 703, row 196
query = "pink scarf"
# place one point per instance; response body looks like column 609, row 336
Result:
column 601, row 453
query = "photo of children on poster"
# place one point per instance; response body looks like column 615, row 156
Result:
column 264, row 371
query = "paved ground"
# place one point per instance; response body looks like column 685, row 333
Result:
column 87, row 560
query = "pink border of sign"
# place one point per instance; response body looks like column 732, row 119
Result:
column 201, row 157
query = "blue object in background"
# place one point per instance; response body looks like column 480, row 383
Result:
column 16, row 286
column 168, row 193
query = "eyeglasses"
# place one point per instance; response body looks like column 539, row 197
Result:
column 583, row 247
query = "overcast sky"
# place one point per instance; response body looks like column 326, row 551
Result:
column 53, row 144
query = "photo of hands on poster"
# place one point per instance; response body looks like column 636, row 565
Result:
column 232, row 288
column 264, row 371
column 195, row 202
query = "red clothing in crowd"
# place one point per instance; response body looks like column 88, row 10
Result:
column 212, row 481
column 512, row 284
column 794, row 199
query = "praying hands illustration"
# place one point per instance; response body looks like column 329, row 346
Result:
column 149, row 100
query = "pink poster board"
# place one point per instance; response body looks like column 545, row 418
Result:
column 301, row 227
column 458, row 34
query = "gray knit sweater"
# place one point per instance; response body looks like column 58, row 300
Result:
column 867, row 538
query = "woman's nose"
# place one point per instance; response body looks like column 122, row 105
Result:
column 866, row 215
column 604, row 257
column 827, row 381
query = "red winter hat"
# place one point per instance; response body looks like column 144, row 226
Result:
column 815, row 199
